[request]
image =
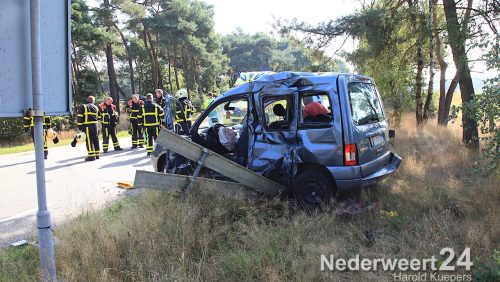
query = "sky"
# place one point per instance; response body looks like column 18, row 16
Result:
column 259, row 15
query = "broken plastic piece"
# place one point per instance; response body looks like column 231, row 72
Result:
column 19, row 243
column 125, row 185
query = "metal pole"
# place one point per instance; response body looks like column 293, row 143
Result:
column 45, row 242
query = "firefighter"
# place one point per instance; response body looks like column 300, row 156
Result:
column 160, row 98
column 29, row 124
column 87, row 117
column 152, row 114
column 134, row 108
column 184, row 113
column 109, row 119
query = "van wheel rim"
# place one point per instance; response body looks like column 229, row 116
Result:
column 313, row 192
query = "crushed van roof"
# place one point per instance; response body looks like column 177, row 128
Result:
column 288, row 79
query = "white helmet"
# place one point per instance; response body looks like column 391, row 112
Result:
column 51, row 133
column 181, row 93
column 81, row 136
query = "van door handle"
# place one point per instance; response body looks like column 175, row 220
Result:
column 375, row 133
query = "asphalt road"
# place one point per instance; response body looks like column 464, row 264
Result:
column 73, row 185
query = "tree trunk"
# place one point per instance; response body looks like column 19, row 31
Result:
column 74, row 82
column 169, row 70
column 448, row 99
column 442, row 80
column 158, row 55
column 457, row 37
column 418, row 86
column 97, row 71
column 113, row 91
column 420, row 62
column 154, row 77
column 129, row 57
column 176, row 72
column 109, row 59
column 430, row 88
column 154, row 62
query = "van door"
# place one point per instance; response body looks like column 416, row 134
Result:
column 320, row 134
column 273, row 151
column 367, row 128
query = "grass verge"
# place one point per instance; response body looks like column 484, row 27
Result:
column 437, row 198
column 64, row 140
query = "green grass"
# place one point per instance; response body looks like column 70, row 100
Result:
column 20, row 264
column 62, row 142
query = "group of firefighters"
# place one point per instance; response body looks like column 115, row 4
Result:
column 146, row 114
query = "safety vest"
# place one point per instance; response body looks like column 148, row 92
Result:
column 88, row 114
column 207, row 103
column 152, row 114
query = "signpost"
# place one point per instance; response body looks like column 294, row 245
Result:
column 35, row 74
column 15, row 57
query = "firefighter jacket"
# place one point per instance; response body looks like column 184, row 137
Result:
column 161, row 101
column 185, row 112
column 109, row 115
column 87, row 114
column 29, row 121
column 152, row 114
column 135, row 109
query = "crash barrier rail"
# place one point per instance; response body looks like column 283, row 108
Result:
column 245, row 177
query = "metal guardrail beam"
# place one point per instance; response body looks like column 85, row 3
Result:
column 175, row 183
column 218, row 163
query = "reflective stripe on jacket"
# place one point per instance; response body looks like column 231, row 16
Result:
column 152, row 114
column 88, row 114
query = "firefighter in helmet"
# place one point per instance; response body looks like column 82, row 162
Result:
column 152, row 115
column 134, row 108
column 87, row 118
column 109, row 120
column 184, row 114
column 29, row 124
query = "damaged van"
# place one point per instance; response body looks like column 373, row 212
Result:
column 316, row 133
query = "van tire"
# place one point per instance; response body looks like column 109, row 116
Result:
column 312, row 189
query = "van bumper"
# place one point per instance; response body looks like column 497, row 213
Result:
column 348, row 178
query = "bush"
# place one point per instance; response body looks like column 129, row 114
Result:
column 12, row 131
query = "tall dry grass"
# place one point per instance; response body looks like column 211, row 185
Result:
column 436, row 199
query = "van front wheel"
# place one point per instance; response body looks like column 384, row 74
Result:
column 312, row 188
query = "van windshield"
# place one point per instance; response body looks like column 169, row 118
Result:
column 365, row 104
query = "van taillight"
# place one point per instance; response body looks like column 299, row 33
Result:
column 350, row 154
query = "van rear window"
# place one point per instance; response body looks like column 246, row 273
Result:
column 365, row 104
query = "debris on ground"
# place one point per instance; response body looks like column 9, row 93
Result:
column 19, row 243
column 125, row 185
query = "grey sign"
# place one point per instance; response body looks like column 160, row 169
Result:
column 15, row 59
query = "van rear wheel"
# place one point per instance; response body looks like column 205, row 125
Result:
column 312, row 189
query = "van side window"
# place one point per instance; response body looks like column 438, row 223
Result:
column 277, row 113
column 315, row 108
column 365, row 104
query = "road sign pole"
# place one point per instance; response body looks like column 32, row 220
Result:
column 45, row 241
